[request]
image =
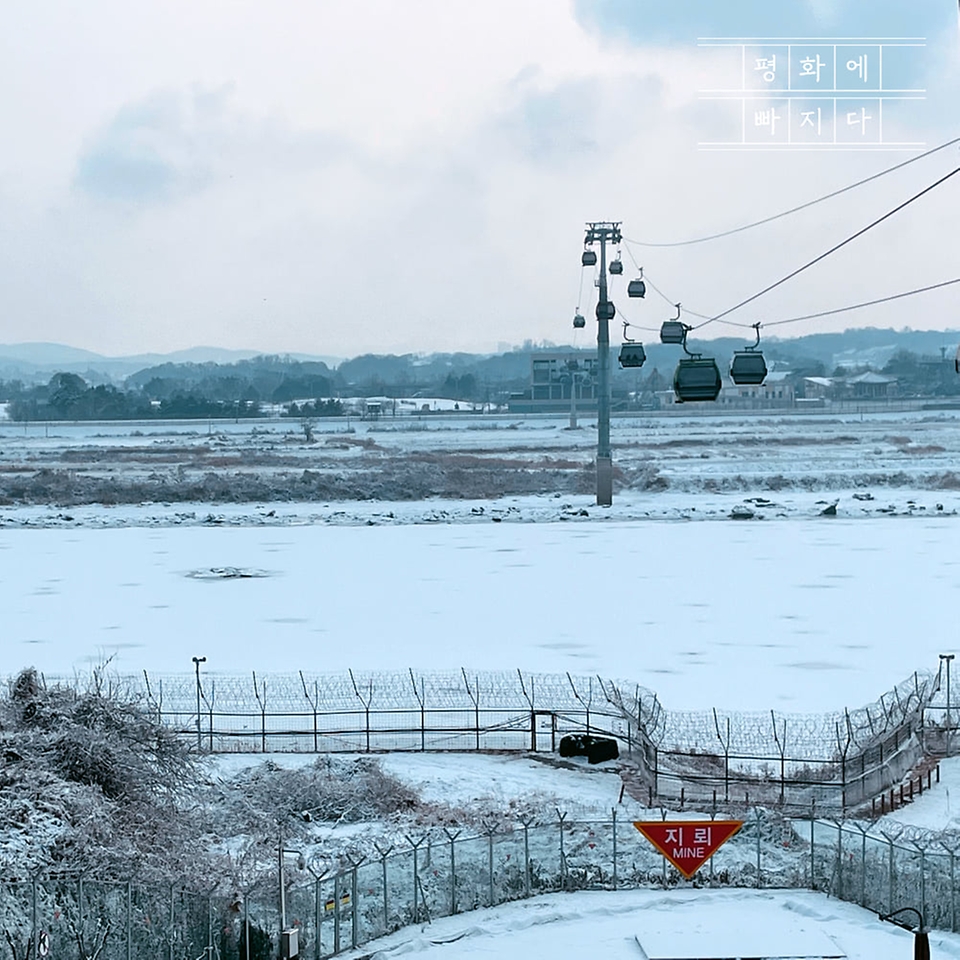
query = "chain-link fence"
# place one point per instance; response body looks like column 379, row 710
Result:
column 838, row 762
column 437, row 874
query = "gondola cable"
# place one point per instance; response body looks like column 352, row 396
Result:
column 832, row 250
column 797, row 209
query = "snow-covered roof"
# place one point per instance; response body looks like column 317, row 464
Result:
column 871, row 377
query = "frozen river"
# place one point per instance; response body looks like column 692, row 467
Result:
column 796, row 615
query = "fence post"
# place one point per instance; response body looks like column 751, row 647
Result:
column 366, row 706
column 490, row 832
column 383, row 852
column 526, row 856
column 129, row 919
column 317, row 919
column 474, row 695
column 416, row 844
column 209, row 926
column 656, row 770
column 386, row 895
column 889, row 872
column 839, row 859
column 173, row 904
column 34, row 930
column 863, row 866
column 953, row 893
column 354, row 907
column 453, row 870
column 563, row 856
column 756, row 811
column 336, row 912
column 725, row 743
column 530, row 698
column 813, row 842
column 263, row 711
column 613, row 813
column 923, row 877
column 781, row 743
column 421, row 699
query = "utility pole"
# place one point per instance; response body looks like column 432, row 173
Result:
column 604, row 232
column 196, row 662
column 573, row 371
column 948, row 657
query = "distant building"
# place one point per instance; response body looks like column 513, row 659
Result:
column 818, row 388
column 870, row 386
column 552, row 377
column 777, row 390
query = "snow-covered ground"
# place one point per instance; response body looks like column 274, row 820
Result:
column 668, row 465
column 459, row 780
column 937, row 809
column 679, row 924
column 797, row 615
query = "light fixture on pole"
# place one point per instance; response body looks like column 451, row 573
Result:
column 921, row 941
column 196, row 662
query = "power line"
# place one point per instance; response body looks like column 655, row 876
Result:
column 832, row 250
column 836, row 310
column 803, row 206
column 827, row 313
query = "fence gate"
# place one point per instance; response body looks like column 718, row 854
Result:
column 543, row 730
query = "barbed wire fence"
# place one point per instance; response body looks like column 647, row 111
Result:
column 835, row 763
column 343, row 904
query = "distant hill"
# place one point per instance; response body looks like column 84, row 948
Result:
column 37, row 362
column 46, row 354
column 216, row 372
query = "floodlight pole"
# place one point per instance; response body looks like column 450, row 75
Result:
column 921, row 939
column 605, row 233
column 196, row 662
column 948, row 657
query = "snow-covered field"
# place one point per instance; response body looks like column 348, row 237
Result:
column 790, row 609
column 681, row 924
column 668, row 466
column 797, row 615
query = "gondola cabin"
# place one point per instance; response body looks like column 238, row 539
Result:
column 606, row 310
column 579, row 322
column 672, row 331
column 748, row 368
column 588, row 259
column 636, row 288
column 697, row 379
column 616, row 267
column 632, row 355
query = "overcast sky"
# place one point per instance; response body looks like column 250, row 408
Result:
column 414, row 175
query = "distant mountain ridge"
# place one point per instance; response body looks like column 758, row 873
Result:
column 862, row 346
column 31, row 361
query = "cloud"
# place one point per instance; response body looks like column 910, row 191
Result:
column 558, row 126
column 154, row 150
column 411, row 179
column 683, row 21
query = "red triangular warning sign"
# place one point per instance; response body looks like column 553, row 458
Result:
column 689, row 844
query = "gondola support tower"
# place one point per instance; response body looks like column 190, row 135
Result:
column 603, row 233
